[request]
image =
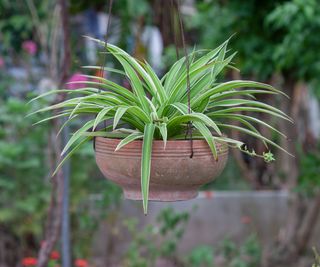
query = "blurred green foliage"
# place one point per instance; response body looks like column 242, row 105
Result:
column 159, row 242
column 251, row 38
column 145, row 247
column 309, row 178
column 93, row 199
column 247, row 254
column 24, row 163
column 23, row 184
column 297, row 22
column 16, row 24
column 201, row 256
column 270, row 36
column 25, row 179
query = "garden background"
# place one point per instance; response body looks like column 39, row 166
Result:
column 254, row 214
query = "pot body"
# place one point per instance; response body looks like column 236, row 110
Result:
column 174, row 175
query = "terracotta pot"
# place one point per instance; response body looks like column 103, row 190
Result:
column 174, row 175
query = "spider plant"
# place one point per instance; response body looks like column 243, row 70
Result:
column 157, row 108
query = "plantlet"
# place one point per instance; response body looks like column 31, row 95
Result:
column 157, row 108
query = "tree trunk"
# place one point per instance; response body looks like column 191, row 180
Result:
column 294, row 238
column 53, row 228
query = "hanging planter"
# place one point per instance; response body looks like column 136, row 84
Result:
column 145, row 150
column 174, row 175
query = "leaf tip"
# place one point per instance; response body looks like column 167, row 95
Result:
column 164, row 145
column 145, row 210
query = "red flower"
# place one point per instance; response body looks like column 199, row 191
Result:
column 55, row 255
column 81, row 263
column 29, row 261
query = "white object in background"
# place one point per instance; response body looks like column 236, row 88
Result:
column 45, row 85
column 91, row 47
column 91, row 51
column 102, row 24
column 152, row 39
column 188, row 8
column 314, row 116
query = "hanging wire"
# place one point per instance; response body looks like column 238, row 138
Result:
column 104, row 61
column 173, row 26
column 187, row 63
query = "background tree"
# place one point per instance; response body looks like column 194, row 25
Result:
column 277, row 41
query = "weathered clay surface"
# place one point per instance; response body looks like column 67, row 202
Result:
column 174, row 175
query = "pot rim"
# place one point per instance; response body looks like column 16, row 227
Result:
column 161, row 141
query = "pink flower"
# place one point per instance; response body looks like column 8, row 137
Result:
column 30, row 47
column 76, row 81
column 1, row 62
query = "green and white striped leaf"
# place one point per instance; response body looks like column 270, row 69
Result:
column 105, row 69
column 239, row 102
column 146, row 164
column 164, row 133
column 75, row 136
column 63, row 114
column 119, row 113
column 66, row 123
column 258, row 136
column 129, row 139
column 250, row 118
column 100, row 116
column 71, row 152
column 197, row 116
column 253, row 109
column 227, row 86
column 208, row 136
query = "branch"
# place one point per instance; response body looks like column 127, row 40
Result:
column 55, row 210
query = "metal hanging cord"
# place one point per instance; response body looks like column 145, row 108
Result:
column 187, row 63
column 104, row 61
